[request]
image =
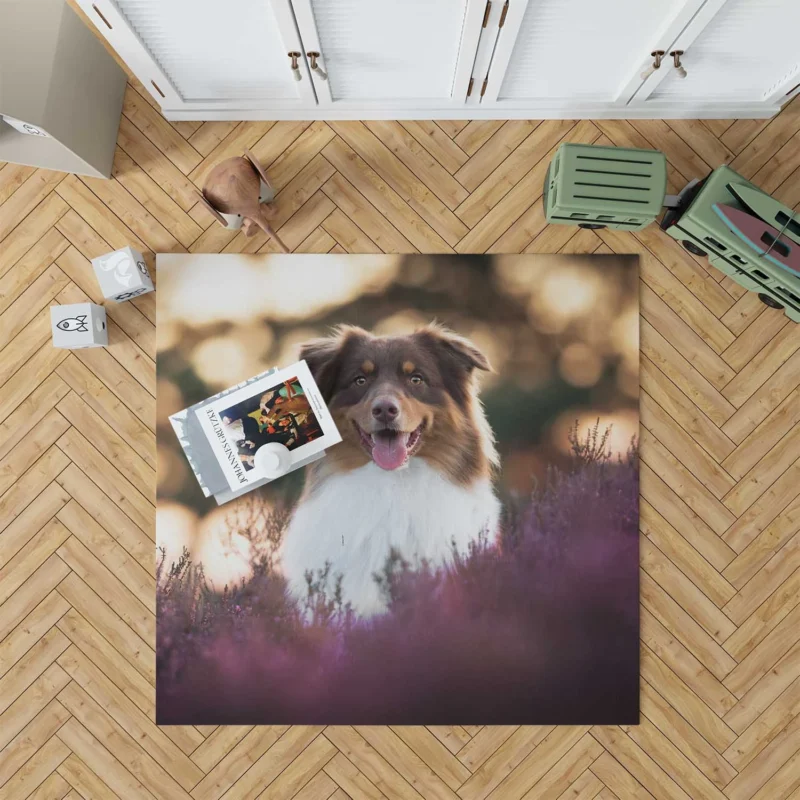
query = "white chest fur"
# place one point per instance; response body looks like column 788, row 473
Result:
column 353, row 519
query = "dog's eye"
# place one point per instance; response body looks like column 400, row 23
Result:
column 359, row 380
column 416, row 379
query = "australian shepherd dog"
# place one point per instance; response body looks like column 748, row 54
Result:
column 414, row 470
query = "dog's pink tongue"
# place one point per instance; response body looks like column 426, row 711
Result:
column 389, row 452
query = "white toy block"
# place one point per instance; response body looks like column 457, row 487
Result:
column 79, row 325
column 122, row 274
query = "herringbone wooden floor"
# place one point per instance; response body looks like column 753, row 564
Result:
column 720, row 410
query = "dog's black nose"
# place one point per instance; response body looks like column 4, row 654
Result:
column 385, row 409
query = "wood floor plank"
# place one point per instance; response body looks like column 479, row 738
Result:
column 93, row 769
column 424, row 166
column 109, row 587
column 437, row 143
column 719, row 512
column 686, row 521
column 31, row 593
column 683, row 411
column 229, row 754
column 31, row 557
column 681, row 554
column 26, row 198
column 136, row 578
column 283, row 163
column 674, row 657
column 159, row 131
column 690, row 744
column 111, row 626
column 31, row 629
column 35, row 735
column 536, row 147
column 384, row 198
column 108, row 479
column 143, row 152
column 17, row 280
column 769, row 578
column 718, row 734
column 684, row 448
column 120, row 744
column 348, row 234
column 677, row 585
column 106, row 405
column 369, row 224
column 31, row 702
column 30, row 230
column 12, row 176
column 694, row 637
column 765, row 618
column 158, row 203
column 476, row 133
column 261, row 773
column 124, row 712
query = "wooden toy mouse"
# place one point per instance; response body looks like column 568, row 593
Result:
column 237, row 192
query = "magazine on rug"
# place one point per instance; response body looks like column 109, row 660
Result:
column 284, row 407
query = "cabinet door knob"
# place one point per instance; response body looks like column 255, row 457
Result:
column 296, row 74
column 657, row 56
column 676, row 58
column 313, row 56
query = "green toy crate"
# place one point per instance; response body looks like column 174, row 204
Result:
column 696, row 225
column 605, row 187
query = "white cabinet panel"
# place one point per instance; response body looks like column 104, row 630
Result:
column 748, row 51
column 583, row 50
column 207, row 53
column 391, row 53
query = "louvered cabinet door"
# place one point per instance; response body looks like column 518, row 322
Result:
column 208, row 55
column 735, row 51
column 566, row 55
column 387, row 54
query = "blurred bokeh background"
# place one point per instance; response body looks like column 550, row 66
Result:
column 561, row 331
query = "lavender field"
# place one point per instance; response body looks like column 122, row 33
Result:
column 540, row 625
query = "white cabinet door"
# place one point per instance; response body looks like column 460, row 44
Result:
column 736, row 51
column 208, row 55
column 578, row 54
column 387, row 54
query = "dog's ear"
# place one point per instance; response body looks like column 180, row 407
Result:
column 324, row 357
column 455, row 348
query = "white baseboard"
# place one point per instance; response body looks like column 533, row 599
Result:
column 650, row 111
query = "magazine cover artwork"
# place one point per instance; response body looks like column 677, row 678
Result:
column 284, row 407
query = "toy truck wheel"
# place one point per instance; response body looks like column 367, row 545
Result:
column 769, row 301
column 693, row 248
column 592, row 226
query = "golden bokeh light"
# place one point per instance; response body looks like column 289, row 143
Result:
column 624, row 424
column 222, row 361
column 217, row 288
column 580, row 365
column 176, row 529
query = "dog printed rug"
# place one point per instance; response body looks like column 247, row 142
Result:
column 468, row 553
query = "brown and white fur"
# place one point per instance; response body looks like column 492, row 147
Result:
column 413, row 471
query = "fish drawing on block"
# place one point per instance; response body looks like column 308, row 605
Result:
column 77, row 324
column 763, row 238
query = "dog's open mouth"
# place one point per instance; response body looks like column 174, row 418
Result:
column 389, row 448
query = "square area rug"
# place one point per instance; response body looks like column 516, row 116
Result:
column 468, row 553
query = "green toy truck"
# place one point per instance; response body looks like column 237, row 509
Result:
column 700, row 230
column 605, row 187
column 612, row 187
